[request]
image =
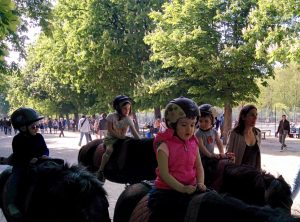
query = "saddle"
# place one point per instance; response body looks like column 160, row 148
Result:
column 132, row 161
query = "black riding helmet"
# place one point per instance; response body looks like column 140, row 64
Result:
column 179, row 108
column 24, row 117
column 119, row 101
column 208, row 110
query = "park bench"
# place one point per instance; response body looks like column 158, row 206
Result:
column 295, row 135
column 263, row 133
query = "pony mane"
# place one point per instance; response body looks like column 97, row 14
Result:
column 68, row 193
column 278, row 192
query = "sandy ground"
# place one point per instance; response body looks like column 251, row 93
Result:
column 285, row 163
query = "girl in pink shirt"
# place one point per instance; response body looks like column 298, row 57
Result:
column 180, row 170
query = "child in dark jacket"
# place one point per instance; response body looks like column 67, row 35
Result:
column 28, row 145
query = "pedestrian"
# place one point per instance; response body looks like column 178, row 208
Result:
column 180, row 172
column 245, row 139
column 118, row 124
column 222, row 121
column 84, row 129
column 103, row 126
column 61, row 127
column 50, row 124
column 156, row 125
column 28, row 146
column 55, row 126
column 208, row 136
column 283, row 130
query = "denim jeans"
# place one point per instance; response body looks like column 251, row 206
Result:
column 282, row 137
column 86, row 136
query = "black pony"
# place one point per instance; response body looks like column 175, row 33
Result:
column 242, row 182
column 56, row 192
column 132, row 160
column 205, row 207
column 248, row 184
column 211, row 206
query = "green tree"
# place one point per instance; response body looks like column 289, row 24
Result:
column 282, row 90
column 205, row 39
column 274, row 26
column 95, row 51
column 8, row 25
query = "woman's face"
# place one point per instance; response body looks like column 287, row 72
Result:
column 250, row 118
column 126, row 109
column 185, row 128
column 33, row 128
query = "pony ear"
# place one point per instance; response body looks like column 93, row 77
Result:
column 281, row 178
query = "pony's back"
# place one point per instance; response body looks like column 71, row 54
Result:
column 212, row 206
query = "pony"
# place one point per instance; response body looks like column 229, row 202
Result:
column 248, row 184
column 241, row 182
column 55, row 191
column 132, row 160
column 211, row 206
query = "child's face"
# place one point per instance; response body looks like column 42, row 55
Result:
column 205, row 123
column 185, row 128
column 33, row 128
column 126, row 109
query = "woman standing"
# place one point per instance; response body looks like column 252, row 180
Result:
column 245, row 138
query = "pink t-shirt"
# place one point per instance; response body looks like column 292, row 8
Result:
column 181, row 158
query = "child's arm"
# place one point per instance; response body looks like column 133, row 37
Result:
column 200, row 173
column 163, row 165
column 220, row 146
column 133, row 130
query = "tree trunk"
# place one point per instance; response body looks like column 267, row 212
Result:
column 227, row 122
column 76, row 119
column 157, row 112
column 68, row 121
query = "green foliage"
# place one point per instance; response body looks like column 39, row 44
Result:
column 205, row 40
column 95, row 52
column 274, row 26
column 283, row 89
column 8, row 24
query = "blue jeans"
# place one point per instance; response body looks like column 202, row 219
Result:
column 87, row 136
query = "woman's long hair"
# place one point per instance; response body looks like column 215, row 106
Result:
column 241, row 122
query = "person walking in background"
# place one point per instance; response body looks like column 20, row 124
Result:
column 222, row 119
column 283, row 130
column 61, row 127
column 103, row 126
column 84, row 129
column 156, row 125
column 55, row 125
column 50, row 124
column 244, row 139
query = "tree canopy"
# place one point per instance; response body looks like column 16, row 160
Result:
column 152, row 50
